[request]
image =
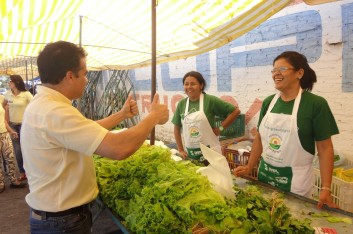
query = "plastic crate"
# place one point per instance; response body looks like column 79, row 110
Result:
column 226, row 142
column 341, row 191
column 235, row 159
column 236, row 129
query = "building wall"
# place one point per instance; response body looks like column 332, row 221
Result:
column 239, row 72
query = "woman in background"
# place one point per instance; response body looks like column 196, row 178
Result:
column 195, row 118
column 7, row 155
column 15, row 103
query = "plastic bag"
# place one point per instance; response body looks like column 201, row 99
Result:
column 218, row 172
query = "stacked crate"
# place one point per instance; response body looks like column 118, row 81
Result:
column 232, row 133
column 236, row 158
column 341, row 191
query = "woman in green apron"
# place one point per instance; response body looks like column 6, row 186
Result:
column 194, row 118
column 291, row 123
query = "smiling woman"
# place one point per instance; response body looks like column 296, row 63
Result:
column 290, row 126
column 194, row 118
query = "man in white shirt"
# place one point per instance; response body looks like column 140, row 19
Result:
column 58, row 142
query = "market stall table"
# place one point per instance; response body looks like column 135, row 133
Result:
column 300, row 207
column 100, row 207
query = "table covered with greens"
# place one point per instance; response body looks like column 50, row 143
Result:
column 151, row 193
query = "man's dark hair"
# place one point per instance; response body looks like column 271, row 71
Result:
column 56, row 59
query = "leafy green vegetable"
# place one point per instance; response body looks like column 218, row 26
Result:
column 155, row 194
column 336, row 157
column 319, row 214
column 339, row 219
column 331, row 219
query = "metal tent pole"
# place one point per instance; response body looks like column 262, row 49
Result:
column 153, row 62
column 80, row 35
column 26, row 74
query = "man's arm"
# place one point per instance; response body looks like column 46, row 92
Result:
column 121, row 145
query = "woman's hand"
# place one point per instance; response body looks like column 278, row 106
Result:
column 326, row 198
column 216, row 131
column 183, row 154
column 13, row 135
column 242, row 170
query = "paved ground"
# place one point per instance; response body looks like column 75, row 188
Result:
column 14, row 214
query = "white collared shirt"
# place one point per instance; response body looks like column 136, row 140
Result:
column 57, row 144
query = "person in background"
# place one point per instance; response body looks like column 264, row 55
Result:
column 291, row 123
column 7, row 154
column 15, row 103
column 58, row 142
column 194, row 118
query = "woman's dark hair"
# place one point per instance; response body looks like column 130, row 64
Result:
column 298, row 61
column 19, row 83
column 198, row 76
column 56, row 59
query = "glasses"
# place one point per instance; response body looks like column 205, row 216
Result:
column 281, row 69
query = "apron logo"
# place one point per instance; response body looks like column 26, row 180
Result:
column 194, row 132
column 275, row 142
column 195, row 152
column 273, row 170
column 282, row 180
column 266, row 167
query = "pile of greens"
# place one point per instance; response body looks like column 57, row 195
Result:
column 155, row 194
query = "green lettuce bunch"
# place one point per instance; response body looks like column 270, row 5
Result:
column 154, row 194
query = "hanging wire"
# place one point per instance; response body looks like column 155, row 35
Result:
column 101, row 100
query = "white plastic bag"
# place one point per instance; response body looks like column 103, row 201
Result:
column 218, row 172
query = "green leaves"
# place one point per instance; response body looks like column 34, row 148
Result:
column 155, row 194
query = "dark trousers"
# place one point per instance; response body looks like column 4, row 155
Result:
column 17, row 147
column 74, row 221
